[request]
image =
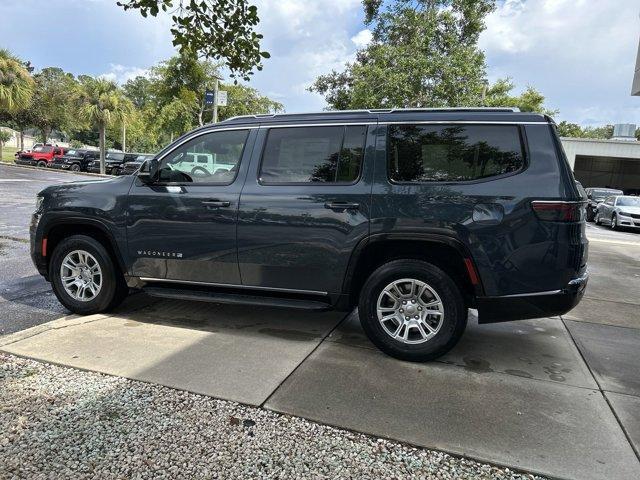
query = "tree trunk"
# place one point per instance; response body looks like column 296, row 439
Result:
column 46, row 131
column 103, row 130
column 21, row 140
column 1, row 145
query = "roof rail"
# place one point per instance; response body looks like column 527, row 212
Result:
column 384, row 110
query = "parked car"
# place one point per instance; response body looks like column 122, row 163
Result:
column 595, row 196
column 131, row 167
column 76, row 160
column 413, row 216
column 619, row 211
column 40, row 156
column 114, row 162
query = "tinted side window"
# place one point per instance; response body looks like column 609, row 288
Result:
column 313, row 154
column 450, row 153
column 195, row 160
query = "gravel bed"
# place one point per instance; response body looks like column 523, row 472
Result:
column 59, row 422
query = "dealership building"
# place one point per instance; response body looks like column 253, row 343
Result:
column 613, row 163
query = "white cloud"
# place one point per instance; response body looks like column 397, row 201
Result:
column 362, row 38
column 579, row 53
column 305, row 40
column 121, row 73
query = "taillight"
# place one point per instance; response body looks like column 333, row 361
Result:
column 556, row 211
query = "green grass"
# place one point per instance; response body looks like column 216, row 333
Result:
column 7, row 154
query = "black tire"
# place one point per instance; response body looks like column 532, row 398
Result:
column 590, row 214
column 454, row 319
column 614, row 221
column 113, row 290
column 41, row 164
column 596, row 219
column 75, row 167
column 115, row 172
column 200, row 172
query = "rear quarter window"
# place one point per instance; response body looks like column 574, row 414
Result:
column 452, row 153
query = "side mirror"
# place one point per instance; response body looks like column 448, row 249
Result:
column 148, row 172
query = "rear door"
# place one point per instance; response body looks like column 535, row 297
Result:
column 183, row 227
column 305, row 205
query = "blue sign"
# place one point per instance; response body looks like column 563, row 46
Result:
column 209, row 97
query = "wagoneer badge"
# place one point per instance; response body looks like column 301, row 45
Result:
column 155, row 253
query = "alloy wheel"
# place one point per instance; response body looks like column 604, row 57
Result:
column 410, row 311
column 81, row 275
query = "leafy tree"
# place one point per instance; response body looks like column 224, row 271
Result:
column 140, row 91
column 53, row 98
column 499, row 95
column 566, row 129
column 16, row 84
column 215, row 29
column 5, row 136
column 424, row 53
column 244, row 100
column 101, row 102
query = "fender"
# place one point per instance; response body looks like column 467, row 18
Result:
column 47, row 224
column 404, row 236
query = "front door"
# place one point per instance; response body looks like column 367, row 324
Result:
column 183, row 226
column 305, row 206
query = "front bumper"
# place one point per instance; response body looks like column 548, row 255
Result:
column 532, row 305
column 628, row 222
column 26, row 161
column 60, row 166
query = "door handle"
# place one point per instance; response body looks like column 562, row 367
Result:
column 341, row 206
column 215, row 203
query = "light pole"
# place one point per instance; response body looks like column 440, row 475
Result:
column 215, row 98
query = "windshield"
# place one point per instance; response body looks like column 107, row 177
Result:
column 43, row 149
column 72, row 153
column 601, row 193
column 115, row 156
column 628, row 202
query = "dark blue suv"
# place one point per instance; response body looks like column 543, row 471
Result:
column 413, row 216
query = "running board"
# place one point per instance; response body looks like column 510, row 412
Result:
column 236, row 298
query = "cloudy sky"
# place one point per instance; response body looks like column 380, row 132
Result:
column 579, row 53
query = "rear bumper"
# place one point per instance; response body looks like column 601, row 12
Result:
column 532, row 305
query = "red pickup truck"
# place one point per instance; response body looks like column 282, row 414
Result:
column 40, row 156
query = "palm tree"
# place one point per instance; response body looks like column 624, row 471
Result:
column 100, row 103
column 16, row 84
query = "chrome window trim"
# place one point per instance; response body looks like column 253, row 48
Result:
column 213, row 129
column 332, row 124
column 231, row 285
column 459, row 122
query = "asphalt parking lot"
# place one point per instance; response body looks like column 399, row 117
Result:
column 555, row 396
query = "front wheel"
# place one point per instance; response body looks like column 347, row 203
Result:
column 41, row 164
column 614, row 222
column 75, row 167
column 590, row 214
column 84, row 277
column 412, row 310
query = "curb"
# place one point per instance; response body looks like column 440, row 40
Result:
column 29, row 167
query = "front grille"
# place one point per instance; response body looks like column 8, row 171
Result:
column 634, row 215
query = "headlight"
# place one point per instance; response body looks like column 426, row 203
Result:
column 626, row 214
column 39, row 201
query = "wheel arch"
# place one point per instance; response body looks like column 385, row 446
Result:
column 445, row 252
column 58, row 230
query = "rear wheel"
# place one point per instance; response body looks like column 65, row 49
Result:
column 412, row 310
column 614, row 222
column 84, row 277
column 41, row 164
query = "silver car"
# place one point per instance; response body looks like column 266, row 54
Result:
column 619, row 211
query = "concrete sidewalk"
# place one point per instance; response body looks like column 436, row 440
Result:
column 516, row 394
